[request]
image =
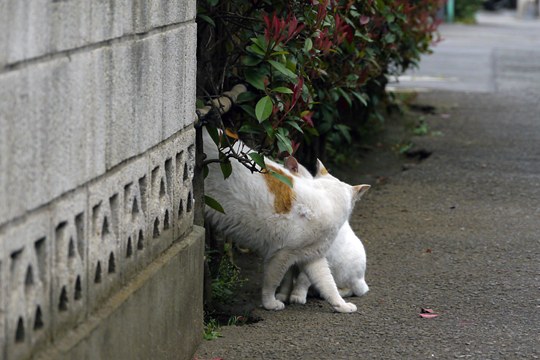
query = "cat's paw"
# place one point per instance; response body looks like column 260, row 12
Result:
column 345, row 308
column 273, row 304
column 297, row 299
column 282, row 297
column 345, row 292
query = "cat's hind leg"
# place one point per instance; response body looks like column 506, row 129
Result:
column 345, row 292
column 274, row 270
column 286, row 286
column 360, row 287
column 319, row 274
column 300, row 290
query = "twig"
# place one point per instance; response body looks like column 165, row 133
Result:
column 223, row 103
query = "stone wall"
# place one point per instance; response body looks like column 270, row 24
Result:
column 97, row 154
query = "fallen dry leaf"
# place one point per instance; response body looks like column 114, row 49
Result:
column 429, row 316
column 231, row 134
column 427, row 313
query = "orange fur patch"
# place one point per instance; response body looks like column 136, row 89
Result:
column 283, row 194
column 324, row 171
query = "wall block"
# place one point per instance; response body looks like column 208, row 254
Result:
column 69, row 291
column 97, row 105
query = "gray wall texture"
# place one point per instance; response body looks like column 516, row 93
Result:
column 97, row 155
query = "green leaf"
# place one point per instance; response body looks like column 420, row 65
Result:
column 295, row 125
column 312, row 131
column 346, row 96
column 308, row 45
column 226, row 168
column 248, row 109
column 255, row 50
column 284, row 143
column 250, row 60
column 268, row 128
column 362, row 36
column 258, row 159
column 281, row 178
column 283, row 90
column 389, row 38
column 395, row 28
column 260, row 42
column 255, row 78
column 345, row 132
column 212, row 2
column 361, row 98
column 352, row 79
column 282, row 69
column 246, row 97
column 207, row 19
column 213, row 132
column 263, row 109
column 213, row 203
column 249, row 129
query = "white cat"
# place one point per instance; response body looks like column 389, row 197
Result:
column 346, row 259
column 285, row 225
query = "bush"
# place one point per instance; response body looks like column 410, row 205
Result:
column 466, row 9
column 308, row 64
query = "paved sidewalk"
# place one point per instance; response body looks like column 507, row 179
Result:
column 499, row 54
column 458, row 233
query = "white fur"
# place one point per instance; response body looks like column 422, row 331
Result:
column 346, row 258
column 302, row 236
column 347, row 261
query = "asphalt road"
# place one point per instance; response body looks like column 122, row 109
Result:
column 458, row 233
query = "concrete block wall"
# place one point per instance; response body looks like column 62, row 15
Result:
column 97, row 154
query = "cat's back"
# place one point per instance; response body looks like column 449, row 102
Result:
column 347, row 248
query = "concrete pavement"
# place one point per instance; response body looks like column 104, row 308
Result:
column 498, row 54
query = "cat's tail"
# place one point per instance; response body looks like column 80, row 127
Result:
column 360, row 287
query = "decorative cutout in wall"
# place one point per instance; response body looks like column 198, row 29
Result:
column 27, row 256
column 69, row 265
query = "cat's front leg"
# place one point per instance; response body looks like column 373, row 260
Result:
column 319, row 274
column 274, row 270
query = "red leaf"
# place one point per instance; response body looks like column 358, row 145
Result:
column 308, row 118
column 364, row 19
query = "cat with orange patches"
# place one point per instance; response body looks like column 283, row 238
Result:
column 285, row 225
column 283, row 193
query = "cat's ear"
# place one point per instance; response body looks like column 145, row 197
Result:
column 360, row 190
column 291, row 164
column 321, row 170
